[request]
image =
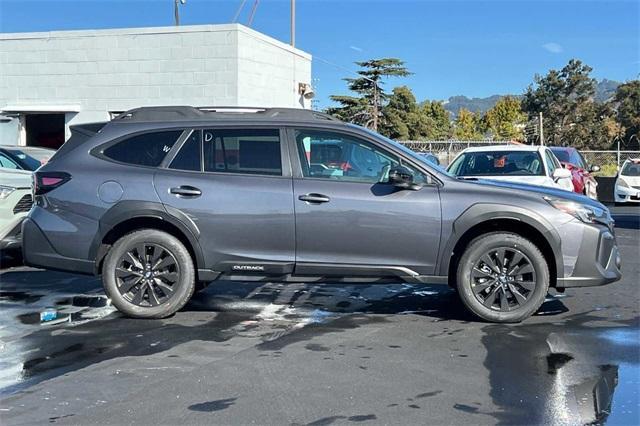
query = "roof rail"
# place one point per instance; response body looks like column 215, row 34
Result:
column 166, row 113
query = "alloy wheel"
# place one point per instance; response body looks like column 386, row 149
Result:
column 147, row 275
column 503, row 279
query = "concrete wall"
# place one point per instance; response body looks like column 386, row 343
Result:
column 89, row 73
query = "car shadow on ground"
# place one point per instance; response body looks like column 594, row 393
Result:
column 87, row 330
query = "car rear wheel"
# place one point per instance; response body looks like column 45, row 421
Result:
column 148, row 274
column 502, row 277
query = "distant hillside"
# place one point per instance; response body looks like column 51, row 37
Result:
column 605, row 89
column 481, row 105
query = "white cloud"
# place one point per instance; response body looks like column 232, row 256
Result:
column 552, row 47
column 356, row 48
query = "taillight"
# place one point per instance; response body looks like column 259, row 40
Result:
column 44, row 182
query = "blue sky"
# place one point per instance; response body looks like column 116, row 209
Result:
column 473, row 48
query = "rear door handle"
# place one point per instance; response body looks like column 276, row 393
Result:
column 314, row 198
column 186, row 191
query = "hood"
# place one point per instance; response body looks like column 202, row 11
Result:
column 15, row 178
column 541, row 190
column 631, row 180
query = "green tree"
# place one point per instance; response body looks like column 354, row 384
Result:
column 366, row 107
column 438, row 120
column 467, row 126
column 566, row 100
column 506, row 120
column 400, row 114
column 627, row 103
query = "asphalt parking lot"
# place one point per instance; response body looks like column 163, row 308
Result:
column 319, row 355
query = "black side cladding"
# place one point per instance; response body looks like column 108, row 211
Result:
column 79, row 134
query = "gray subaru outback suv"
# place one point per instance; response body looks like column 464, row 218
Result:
column 163, row 200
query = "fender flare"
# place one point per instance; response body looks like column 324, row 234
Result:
column 126, row 210
column 486, row 212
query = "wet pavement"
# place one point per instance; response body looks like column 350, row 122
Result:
column 319, row 354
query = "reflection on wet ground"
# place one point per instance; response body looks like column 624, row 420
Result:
column 573, row 368
column 575, row 362
column 565, row 371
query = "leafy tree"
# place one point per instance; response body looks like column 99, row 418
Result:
column 438, row 120
column 627, row 103
column 366, row 108
column 505, row 120
column 467, row 126
column 400, row 115
column 566, row 100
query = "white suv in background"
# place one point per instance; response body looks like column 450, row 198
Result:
column 533, row 165
column 627, row 188
column 15, row 203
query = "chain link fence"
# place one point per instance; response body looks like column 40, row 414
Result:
column 446, row 151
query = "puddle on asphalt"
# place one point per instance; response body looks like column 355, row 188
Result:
column 539, row 373
column 36, row 345
column 565, row 373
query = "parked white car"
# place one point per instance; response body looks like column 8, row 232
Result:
column 627, row 188
column 15, row 203
column 533, row 165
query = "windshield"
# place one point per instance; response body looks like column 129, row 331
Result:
column 561, row 154
column 414, row 155
column 497, row 163
column 631, row 168
column 31, row 159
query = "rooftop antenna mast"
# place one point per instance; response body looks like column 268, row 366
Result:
column 176, row 10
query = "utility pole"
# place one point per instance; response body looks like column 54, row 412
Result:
column 541, row 129
column 293, row 23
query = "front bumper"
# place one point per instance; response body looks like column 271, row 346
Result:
column 627, row 195
column 12, row 240
column 37, row 251
column 598, row 261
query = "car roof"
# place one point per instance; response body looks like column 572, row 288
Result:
column 511, row 147
column 25, row 148
column 179, row 114
column 562, row 148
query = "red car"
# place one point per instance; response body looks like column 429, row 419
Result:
column 572, row 160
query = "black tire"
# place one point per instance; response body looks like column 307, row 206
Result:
column 160, row 291
column 514, row 293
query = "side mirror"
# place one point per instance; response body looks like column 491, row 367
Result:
column 561, row 173
column 401, row 177
column 594, row 169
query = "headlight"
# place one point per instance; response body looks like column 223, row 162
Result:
column 622, row 183
column 582, row 212
column 5, row 191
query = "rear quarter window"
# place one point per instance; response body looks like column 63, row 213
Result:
column 148, row 149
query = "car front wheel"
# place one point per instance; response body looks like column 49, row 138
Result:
column 148, row 274
column 502, row 277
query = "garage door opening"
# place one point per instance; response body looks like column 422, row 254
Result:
column 45, row 130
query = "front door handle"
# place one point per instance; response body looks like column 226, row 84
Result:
column 186, row 191
column 314, row 198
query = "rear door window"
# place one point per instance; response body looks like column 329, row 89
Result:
column 190, row 155
column 243, row 151
column 148, row 149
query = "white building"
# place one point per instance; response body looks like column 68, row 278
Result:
column 51, row 80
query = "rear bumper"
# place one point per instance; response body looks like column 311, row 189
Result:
column 38, row 252
column 598, row 261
